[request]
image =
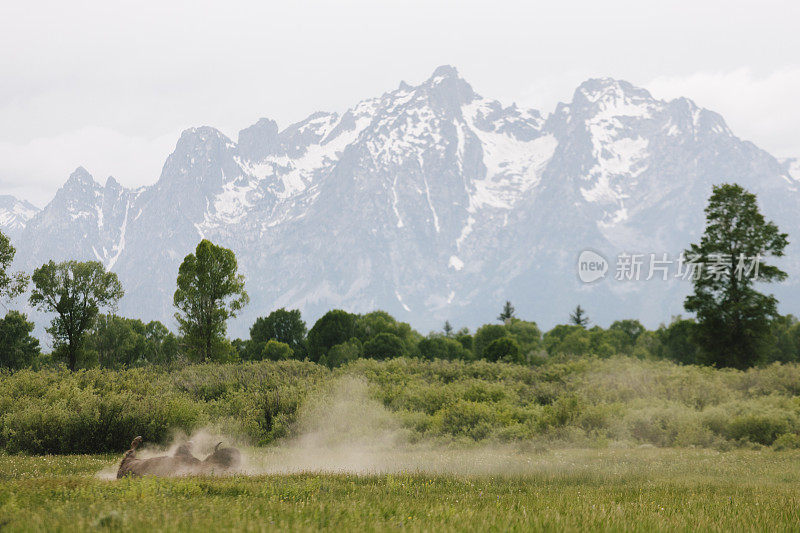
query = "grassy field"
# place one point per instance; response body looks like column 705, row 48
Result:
column 639, row 489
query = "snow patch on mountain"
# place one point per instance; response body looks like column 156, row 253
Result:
column 513, row 165
column 406, row 200
column 455, row 262
column 793, row 168
column 232, row 204
column 15, row 213
column 120, row 246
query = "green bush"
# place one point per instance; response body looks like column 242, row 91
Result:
column 276, row 351
column 343, row 353
column 384, row 346
column 760, row 428
column 439, row 347
column 472, row 419
column 787, row 441
column 587, row 400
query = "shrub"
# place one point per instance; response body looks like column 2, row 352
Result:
column 472, row 419
column 276, row 351
column 761, row 428
column 787, row 441
column 588, row 400
column 343, row 353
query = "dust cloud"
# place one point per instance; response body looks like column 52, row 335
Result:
column 345, row 431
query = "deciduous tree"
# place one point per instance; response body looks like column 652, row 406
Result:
column 75, row 291
column 210, row 291
column 733, row 318
column 18, row 348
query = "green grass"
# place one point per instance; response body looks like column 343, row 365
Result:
column 640, row 489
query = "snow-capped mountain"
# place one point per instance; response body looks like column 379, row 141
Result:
column 430, row 201
column 15, row 214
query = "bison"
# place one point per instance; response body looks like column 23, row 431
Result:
column 181, row 462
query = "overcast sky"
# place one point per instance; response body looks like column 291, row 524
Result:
column 110, row 85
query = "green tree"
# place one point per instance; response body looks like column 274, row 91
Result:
column 244, row 349
column 466, row 340
column 578, row 342
column 675, row 341
column 370, row 325
column 631, row 328
column 504, row 349
column 385, row 346
column 277, row 351
column 447, row 329
column 527, row 334
column 507, row 313
column 578, row 317
column 18, row 348
column 484, row 337
column 440, row 347
column 118, row 342
column 733, row 319
column 607, row 342
column 334, row 327
column 210, row 291
column 566, row 339
column 115, row 341
column 161, row 345
column 11, row 285
column 784, row 340
column 282, row 326
column 343, row 353
column 75, row 291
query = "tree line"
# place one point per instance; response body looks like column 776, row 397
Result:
column 735, row 325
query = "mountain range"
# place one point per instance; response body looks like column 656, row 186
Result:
column 430, row 202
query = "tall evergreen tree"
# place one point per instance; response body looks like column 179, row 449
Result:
column 733, row 318
column 578, row 317
column 448, row 329
column 507, row 313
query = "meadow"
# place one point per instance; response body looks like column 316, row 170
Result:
column 576, row 443
column 641, row 489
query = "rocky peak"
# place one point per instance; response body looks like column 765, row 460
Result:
column 259, row 140
column 447, row 90
column 80, row 178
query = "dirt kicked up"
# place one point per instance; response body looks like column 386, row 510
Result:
column 180, row 462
